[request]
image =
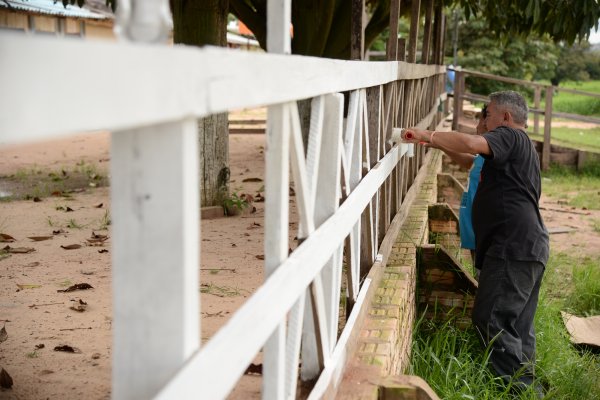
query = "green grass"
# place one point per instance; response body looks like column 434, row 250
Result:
column 576, row 103
column 451, row 360
column 578, row 189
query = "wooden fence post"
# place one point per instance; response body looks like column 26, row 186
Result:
column 155, row 206
column 536, row 105
column 547, row 128
column 391, row 49
column 458, row 92
column 427, row 33
column 413, row 35
column 279, row 15
column 357, row 30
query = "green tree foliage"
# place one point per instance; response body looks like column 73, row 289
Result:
column 479, row 49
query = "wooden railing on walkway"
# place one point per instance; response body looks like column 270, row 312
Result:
column 349, row 186
column 461, row 93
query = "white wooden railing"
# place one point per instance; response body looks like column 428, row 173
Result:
column 149, row 96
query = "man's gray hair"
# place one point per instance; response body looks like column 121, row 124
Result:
column 512, row 102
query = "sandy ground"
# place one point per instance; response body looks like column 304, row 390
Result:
column 38, row 318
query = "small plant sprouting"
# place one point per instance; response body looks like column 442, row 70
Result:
column 51, row 222
column 105, row 221
column 33, row 354
column 234, row 204
column 74, row 224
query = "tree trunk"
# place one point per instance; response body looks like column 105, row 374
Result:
column 199, row 23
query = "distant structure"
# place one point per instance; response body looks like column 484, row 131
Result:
column 50, row 17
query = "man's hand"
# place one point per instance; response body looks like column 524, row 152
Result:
column 414, row 135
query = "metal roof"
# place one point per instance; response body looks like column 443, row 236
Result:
column 50, row 7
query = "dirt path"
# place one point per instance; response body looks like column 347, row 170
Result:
column 38, row 318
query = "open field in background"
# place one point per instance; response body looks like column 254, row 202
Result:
column 578, row 104
column 583, row 138
column 580, row 189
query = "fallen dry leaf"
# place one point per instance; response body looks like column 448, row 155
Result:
column 39, row 238
column 18, row 250
column 40, row 346
column 261, row 257
column 32, row 264
column 71, row 246
column 36, row 199
column 78, row 305
column 46, row 372
column 67, row 349
column 103, row 251
column 58, row 232
column 98, row 205
column 77, row 286
column 4, row 238
column 96, row 356
column 98, row 236
column 28, row 286
column 96, row 240
column 5, row 380
column 252, row 180
column 3, row 334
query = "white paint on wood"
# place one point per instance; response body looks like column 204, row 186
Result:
column 155, row 207
column 292, row 358
column 214, row 375
column 277, row 153
column 160, row 84
column 329, row 112
column 279, row 22
column 335, row 366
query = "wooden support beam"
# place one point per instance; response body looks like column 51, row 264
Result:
column 427, row 33
column 437, row 56
column 413, row 36
column 357, row 30
column 391, row 49
column 536, row 103
column 547, row 128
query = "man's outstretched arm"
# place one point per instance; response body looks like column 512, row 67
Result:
column 456, row 142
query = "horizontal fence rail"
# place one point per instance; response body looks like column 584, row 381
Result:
column 460, row 94
column 160, row 84
column 350, row 179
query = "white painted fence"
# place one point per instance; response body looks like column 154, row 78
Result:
column 149, row 97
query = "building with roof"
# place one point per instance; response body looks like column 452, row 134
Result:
column 51, row 17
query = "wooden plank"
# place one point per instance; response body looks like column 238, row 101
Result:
column 279, row 17
column 547, row 129
column 160, row 190
column 576, row 117
column 293, row 341
column 391, row 48
column 217, row 375
column 536, row 104
column 357, row 30
column 175, row 83
column 574, row 91
column 427, row 32
column 502, row 78
column 276, row 237
column 329, row 109
column 438, row 33
column 413, row 35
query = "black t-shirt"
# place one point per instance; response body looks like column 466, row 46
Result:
column 506, row 215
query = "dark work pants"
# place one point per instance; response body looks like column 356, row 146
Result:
column 503, row 314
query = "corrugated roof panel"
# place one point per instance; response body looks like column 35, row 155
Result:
column 50, row 7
